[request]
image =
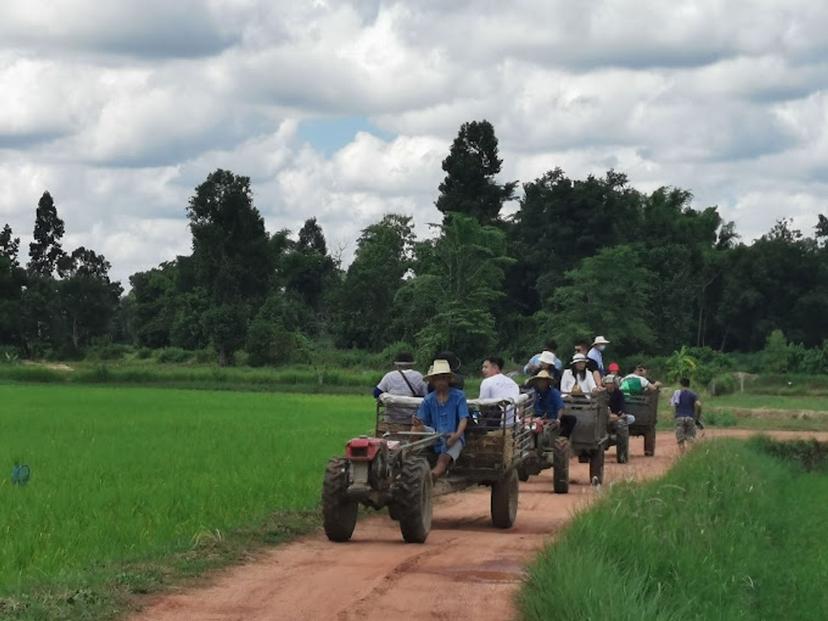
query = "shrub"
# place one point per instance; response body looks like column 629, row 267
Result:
column 724, row 384
column 9, row 354
column 174, row 355
column 144, row 353
column 110, row 351
column 720, row 419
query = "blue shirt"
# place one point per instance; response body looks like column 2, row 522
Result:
column 596, row 355
column 686, row 403
column 548, row 403
column 444, row 417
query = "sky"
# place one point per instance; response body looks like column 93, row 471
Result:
column 345, row 110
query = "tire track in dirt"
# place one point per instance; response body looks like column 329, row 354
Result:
column 466, row 570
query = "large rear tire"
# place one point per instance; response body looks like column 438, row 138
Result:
column 650, row 442
column 339, row 513
column 413, row 501
column 560, row 466
column 596, row 466
column 622, row 443
column 505, row 500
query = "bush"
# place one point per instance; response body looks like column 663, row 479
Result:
column 9, row 354
column 110, row 351
column 144, row 353
column 174, row 355
column 206, row 355
column 724, row 384
column 720, row 419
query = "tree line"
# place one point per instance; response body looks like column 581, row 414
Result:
column 578, row 257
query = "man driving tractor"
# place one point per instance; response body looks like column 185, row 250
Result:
column 445, row 411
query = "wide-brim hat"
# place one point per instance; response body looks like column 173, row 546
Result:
column 578, row 358
column 543, row 374
column 547, row 357
column 600, row 340
column 439, row 367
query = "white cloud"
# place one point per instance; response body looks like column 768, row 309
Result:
column 121, row 109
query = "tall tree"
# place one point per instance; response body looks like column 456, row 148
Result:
column 308, row 270
column 231, row 256
column 46, row 252
column 89, row 298
column 459, row 278
column 609, row 293
column 384, row 255
column 470, row 186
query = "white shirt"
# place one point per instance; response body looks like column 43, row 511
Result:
column 568, row 380
column 501, row 387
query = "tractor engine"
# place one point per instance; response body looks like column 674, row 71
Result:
column 370, row 467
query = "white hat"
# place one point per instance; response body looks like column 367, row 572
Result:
column 600, row 340
column 579, row 358
column 610, row 379
column 439, row 367
column 547, row 357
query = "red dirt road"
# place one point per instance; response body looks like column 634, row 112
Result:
column 466, row 570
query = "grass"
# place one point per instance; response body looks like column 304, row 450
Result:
column 731, row 532
column 211, row 377
column 770, row 402
column 130, row 486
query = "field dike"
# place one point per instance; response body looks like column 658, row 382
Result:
column 734, row 531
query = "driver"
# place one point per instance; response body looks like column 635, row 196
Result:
column 445, row 411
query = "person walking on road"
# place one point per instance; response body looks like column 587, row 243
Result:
column 688, row 407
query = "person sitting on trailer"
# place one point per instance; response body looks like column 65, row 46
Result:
column 616, row 403
column 535, row 363
column 637, row 382
column 549, row 403
column 577, row 380
column 445, row 411
column 497, row 386
column 403, row 381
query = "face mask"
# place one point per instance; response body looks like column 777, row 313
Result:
column 602, row 347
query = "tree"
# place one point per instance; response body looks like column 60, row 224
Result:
column 470, row 187
column 609, row 293
column 308, row 270
column 383, row 257
column 231, row 256
column 12, row 281
column 88, row 298
column 153, row 297
column 450, row 302
column 45, row 252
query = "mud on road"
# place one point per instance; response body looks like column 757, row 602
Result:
column 466, row 570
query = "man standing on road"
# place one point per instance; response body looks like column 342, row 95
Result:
column 445, row 411
column 687, row 406
column 495, row 385
column 596, row 353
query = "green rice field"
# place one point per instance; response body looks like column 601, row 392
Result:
column 123, row 475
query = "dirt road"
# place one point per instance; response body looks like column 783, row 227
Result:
column 466, row 570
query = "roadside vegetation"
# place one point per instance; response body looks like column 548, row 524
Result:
column 733, row 531
column 132, row 486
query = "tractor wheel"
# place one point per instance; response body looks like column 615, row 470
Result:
column 560, row 466
column 339, row 514
column 649, row 442
column 622, row 443
column 596, row 466
column 523, row 473
column 505, row 500
column 413, row 500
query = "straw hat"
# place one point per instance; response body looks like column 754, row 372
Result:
column 600, row 340
column 439, row 367
column 547, row 357
column 543, row 374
